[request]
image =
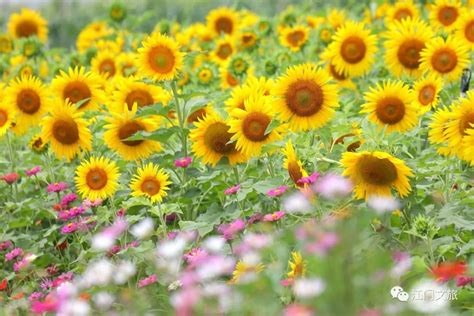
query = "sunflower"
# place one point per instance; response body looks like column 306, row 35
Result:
column 293, row 164
column 228, row 80
column 405, row 41
column 104, row 63
column 77, row 85
column 130, row 91
column 237, row 97
column 446, row 58
column 465, row 29
column 401, row 10
column 28, row 23
column 67, row 131
column 426, row 92
column 90, row 34
column 297, row 266
column 294, row 37
column 127, row 65
column 28, row 96
column 336, row 18
column 222, row 20
column 375, row 173
column 6, row 44
column 305, row 97
column 249, row 125
column 244, row 271
column 160, row 57
column 122, row 125
column 150, row 181
column 248, row 39
column 205, row 74
column 444, row 14
column 7, row 114
column 352, row 49
column 461, row 121
column 437, row 131
column 224, row 48
column 468, row 146
column 37, row 144
column 96, row 178
column 212, row 141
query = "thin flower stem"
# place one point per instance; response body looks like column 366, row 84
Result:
column 236, row 174
column 12, row 163
column 180, row 118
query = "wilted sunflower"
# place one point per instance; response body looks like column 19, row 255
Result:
column 249, row 125
column 7, row 115
column 444, row 14
column 150, row 181
column 391, row 104
column 124, row 124
column 294, row 37
column 427, row 91
column 67, row 131
column 212, row 141
column 401, row 10
column 130, row 91
column 293, row 164
column 29, row 97
column 465, row 29
column 28, row 23
column 104, row 63
column 77, row 85
column 446, row 58
column 404, row 43
column 352, row 49
column 375, row 173
column 222, row 21
column 305, row 98
column 96, row 178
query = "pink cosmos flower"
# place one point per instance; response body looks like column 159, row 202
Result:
column 296, row 309
column 56, row 187
column 70, row 228
column 309, row 179
column 230, row 230
column 195, row 256
column 183, row 162
column 10, row 178
column 274, row 216
column 68, row 199
column 147, row 281
column 277, row 191
column 333, row 186
column 17, row 252
column 232, row 190
column 33, row 171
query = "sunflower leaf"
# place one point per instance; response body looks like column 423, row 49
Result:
column 273, row 124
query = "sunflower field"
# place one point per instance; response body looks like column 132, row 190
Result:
column 300, row 161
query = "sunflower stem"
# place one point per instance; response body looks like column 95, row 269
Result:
column 236, row 174
column 180, row 118
column 12, row 163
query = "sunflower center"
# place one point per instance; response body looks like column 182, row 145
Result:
column 151, row 186
column 447, row 15
column 409, row 53
column 28, row 101
column 335, row 74
column 224, row 25
column 427, row 94
column 255, row 125
column 76, row 91
column 107, row 66
column 377, row 171
column 304, row 98
column 353, row 49
column 390, row 110
column 26, row 28
column 129, row 129
column 444, row 60
column 248, row 39
column 469, row 31
column 402, row 13
column 196, row 115
column 294, row 38
column 140, row 97
column 294, row 171
column 96, row 179
column 231, row 80
column 161, row 59
column 224, row 51
column 467, row 122
column 66, row 131
column 3, row 117
column 217, row 138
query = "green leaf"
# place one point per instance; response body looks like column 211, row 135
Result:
column 154, row 109
column 273, row 124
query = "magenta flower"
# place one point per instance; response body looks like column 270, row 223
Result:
column 232, row 190
column 56, row 187
column 147, row 281
column 49, row 305
column 230, row 230
column 464, row 280
column 90, row 204
column 309, row 179
column 13, row 254
column 68, row 199
column 4, row 245
column 277, row 191
column 195, row 256
column 35, row 296
column 10, row 178
column 70, row 228
column 183, row 162
column 298, row 310
column 33, row 171
column 20, row 265
column 274, row 216
column 255, row 218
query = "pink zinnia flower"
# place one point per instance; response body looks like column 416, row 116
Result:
column 230, row 230
column 183, row 162
column 20, row 265
column 232, row 190
column 463, row 280
column 5, row 245
column 35, row 296
column 274, row 216
column 195, row 256
column 255, row 218
column 309, row 179
column 70, row 228
column 49, row 305
column 33, row 171
column 13, row 254
column 56, row 187
column 10, row 178
column 147, row 281
column 277, row 191
column 90, row 204
column 68, row 199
